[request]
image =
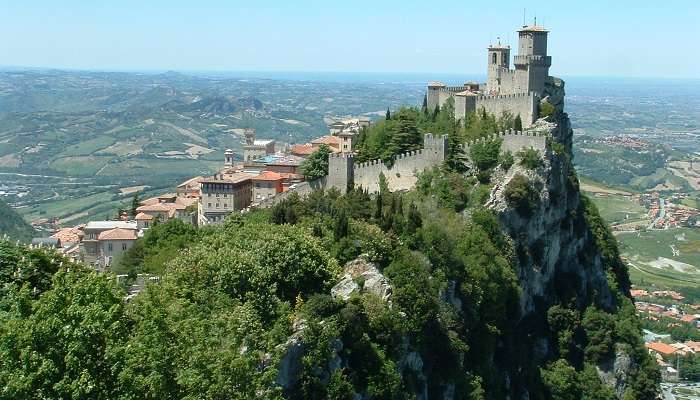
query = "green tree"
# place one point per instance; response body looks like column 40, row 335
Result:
column 518, row 123
column 65, row 344
column 316, row 165
column 135, row 203
column 561, row 381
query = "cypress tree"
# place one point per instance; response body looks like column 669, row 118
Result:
column 135, row 202
column 340, row 230
column 425, row 104
column 388, row 114
column 518, row 123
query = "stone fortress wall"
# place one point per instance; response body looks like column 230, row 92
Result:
column 523, row 104
column 513, row 141
column 403, row 174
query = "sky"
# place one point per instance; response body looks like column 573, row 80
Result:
column 640, row 38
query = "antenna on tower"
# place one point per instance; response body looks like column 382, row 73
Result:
column 524, row 23
column 535, row 19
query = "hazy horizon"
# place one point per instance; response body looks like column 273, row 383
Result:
column 595, row 38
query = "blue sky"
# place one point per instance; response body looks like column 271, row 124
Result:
column 590, row 38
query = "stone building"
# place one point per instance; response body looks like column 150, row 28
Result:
column 517, row 91
column 223, row 194
column 112, row 243
column 255, row 148
column 90, row 246
column 266, row 185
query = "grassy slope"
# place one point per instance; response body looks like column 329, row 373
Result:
column 12, row 224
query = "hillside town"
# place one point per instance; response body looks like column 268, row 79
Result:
column 672, row 329
column 260, row 173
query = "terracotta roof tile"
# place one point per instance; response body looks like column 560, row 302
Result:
column 118, row 234
column 143, row 216
column 662, row 348
column 268, row 176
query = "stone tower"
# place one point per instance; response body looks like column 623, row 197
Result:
column 249, row 136
column 435, row 148
column 228, row 158
column 340, row 171
column 498, row 66
column 532, row 62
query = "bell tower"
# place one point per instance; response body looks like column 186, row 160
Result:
column 498, row 66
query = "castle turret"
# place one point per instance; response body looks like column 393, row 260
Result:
column 340, row 171
column 532, row 62
column 249, row 135
column 228, row 158
column 434, row 89
column 498, row 66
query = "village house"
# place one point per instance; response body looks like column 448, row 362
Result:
column 223, row 194
column 267, row 184
column 114, row 242
column 164, row 208
column 661, row 348
column 91, row 245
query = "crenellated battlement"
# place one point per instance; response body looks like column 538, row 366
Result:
column 344, row 173
column 513, row 141
column 504, row 96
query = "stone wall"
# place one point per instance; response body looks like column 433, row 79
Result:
column 524, row 104
column 344, row 173
column 513, row 141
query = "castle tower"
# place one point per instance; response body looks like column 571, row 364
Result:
column 340, row 171
column 498, row 66
column 434, row 89
column 532, row 62
column 228, row 158
column 249, row 136
column 435, row 148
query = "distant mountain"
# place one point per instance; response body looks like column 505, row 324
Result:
column 214, row 105
column 12, row 224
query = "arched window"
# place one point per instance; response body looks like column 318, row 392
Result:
column 494, row 59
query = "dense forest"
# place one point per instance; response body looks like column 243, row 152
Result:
column 12, row 224
column 250, row 309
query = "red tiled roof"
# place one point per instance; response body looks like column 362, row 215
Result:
column 303, row 149
column 68, row 235
column 268, row 176
column 157, row 207
column 333, row 141
column 661, row 348
column 143, row 216
column 118, row 234
column 689, row 318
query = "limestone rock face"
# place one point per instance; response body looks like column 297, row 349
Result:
column 362, row 276
column 615, row 373
column 290, row 364
column 551, row 240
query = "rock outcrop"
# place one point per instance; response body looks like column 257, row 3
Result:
column 361, row 276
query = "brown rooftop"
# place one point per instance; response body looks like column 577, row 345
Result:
column 118, row 234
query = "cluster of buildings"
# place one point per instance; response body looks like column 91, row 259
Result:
column 668, row 212
column 518, row 90
column 263, row 173
column 661, row 345
column 625, row 141
column 666, row 356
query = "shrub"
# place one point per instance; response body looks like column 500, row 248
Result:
column 484, row 154
column 546, row 109
column 506, row 160
column 530, row 158
column 521, row 195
